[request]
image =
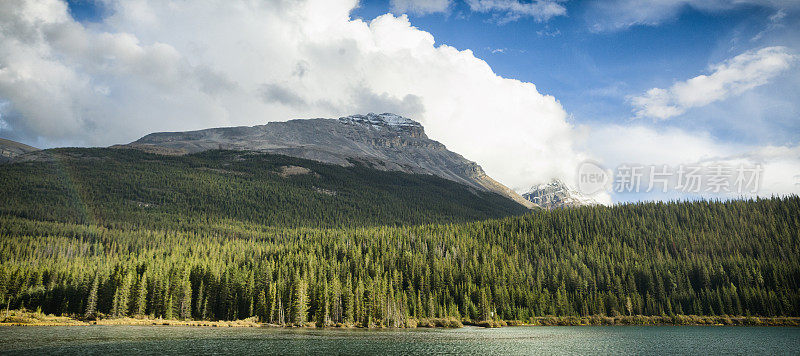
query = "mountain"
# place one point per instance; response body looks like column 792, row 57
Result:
column 126, row 187
column 556, row 194
column 9, row 150
column 385, row 142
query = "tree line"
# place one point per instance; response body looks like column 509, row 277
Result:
column 680, row 258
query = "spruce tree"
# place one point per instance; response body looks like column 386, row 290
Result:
column 91, row 300
column 485, row 310
column 200, row 303
column 299, row 308
column 186, row 300
column 140, row 305
column 261, row 306
column 321, row 314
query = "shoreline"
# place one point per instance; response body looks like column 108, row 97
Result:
column 28, row 318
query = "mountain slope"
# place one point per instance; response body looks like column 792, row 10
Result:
column 112, row 186
column 382, row 141
column 9, row 150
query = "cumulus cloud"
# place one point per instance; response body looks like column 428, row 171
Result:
column 610, row 15
column 730, row 78
column 420, row 7
column 170, row 66
column 513, row 10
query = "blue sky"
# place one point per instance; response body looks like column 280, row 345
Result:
column 595, row 72
column 592, row 73
column 529, row 89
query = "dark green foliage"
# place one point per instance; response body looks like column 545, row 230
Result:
column 704, row 258
column 91, row 299
column 299, row 301
column 126, row 188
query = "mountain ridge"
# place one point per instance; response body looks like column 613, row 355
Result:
column 381, row 141
column 9, row 150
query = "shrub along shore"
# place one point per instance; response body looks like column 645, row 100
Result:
column 33, row 318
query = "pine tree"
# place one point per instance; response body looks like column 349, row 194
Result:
column 299, row 309
column 91, row 300
column 275, row 314
column 485, row 309
column 186, row 300
column 140, row 307
column 321, row 315
column 367, row 308
column 169, row 313
column 261, row 306
column 349, row 302
column 116, row 305
column 121, row 297
column 200, row 303
column 628, row 305
column 206, row 310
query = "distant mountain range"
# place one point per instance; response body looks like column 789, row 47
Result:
column 386, row 142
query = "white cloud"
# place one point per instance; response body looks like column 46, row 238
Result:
column 781, row 168
column 512, row 10
column 775, row 22
column 646, row 145
column 167, row 66
column 157, row 66
column 610, row 15
column 649, row 146
column 420, row 7
column 730, row 78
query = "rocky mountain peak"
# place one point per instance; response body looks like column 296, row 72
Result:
column 385, row 119
column 556, row 194
column 381, row 141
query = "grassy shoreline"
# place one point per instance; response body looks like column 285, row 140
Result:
column 32, row 318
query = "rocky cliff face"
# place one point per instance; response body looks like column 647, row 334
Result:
column 556, row 194
column 9, row 150
column 382, row 141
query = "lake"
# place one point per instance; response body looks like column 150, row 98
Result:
column 698, row 340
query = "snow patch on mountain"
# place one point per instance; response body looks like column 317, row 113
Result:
column 556, row 194
column 385, row 119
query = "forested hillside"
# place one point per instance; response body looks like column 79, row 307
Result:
column 701, row 258
column 124, row 187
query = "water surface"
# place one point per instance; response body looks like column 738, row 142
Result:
column 149, row 340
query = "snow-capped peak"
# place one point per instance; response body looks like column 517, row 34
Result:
column 385, row 119
column 556, row 194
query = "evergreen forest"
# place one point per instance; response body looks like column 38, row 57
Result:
column 227, row 235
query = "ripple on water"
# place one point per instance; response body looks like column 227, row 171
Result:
column 148, row 340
